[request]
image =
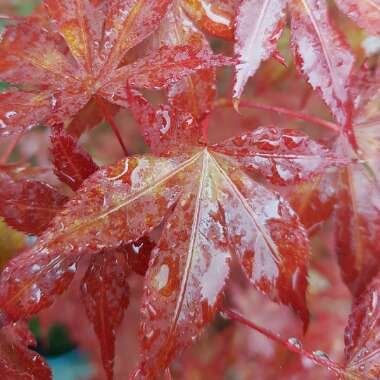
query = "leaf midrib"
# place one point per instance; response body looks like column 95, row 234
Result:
column 193, row 240
column 268, row 240
column 323, row 44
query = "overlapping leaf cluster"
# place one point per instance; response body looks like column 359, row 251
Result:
column 184, row 213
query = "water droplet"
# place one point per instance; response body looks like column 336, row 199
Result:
column 10, row 114
column 72, row 267
column 165, row 121
column 152, row 310
column 212, row 15
column 374, row 303
column 136, row 248
column 307, row 363
column 321, row 355
column 35, row 268
column 295, row 343
column 53, row 102
column 224, row 315
column 150, row 337
column 149, row 334
column 239, row 141
column 37, row 294
column 162, row 277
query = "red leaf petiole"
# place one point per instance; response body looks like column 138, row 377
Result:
column 109, row 119
column 295, row 114
column 292, row 344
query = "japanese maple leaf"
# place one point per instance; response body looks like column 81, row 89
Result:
column 353, row 194
column 252, row 355
column 58, row 74
column 194, row 94
column 358, row 193
column 101, row 294
column 362, row 332
column 72, row 164
column 365, row 13
column 211, row 208
column 28, row 205
column 105, row 296
column 320, row 51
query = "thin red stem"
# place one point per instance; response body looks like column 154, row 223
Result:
column 8, row 151
column 293, row 345
column 109, row 119
column 267, row 107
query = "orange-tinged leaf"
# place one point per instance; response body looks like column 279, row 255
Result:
column 105, row 296
column 79, row 23
column 70, row 68
column 28, row 205
column 32, row 54
column 259, row 27
column 322, row 55
column 361, row 337
column 215, row 17
column 34, row 57
column 127, row 23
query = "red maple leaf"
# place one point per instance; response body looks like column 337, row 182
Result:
column 59, row 67
column 320, row 51
column 212, row 209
